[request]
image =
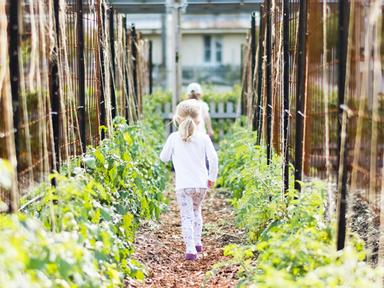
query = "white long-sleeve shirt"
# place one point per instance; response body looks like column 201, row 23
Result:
column 189, row 160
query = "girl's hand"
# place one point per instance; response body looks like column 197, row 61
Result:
column 211, row 184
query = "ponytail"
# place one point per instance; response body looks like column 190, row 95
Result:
column 187, row 113
column 187, row 128
column 194, row 95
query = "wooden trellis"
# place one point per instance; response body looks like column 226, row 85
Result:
column 67, row 67
column 316, row 94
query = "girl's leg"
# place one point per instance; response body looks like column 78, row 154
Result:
column 198, row 198
column 187, row 219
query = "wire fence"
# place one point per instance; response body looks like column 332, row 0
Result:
column 67, row 68
column 313, row 89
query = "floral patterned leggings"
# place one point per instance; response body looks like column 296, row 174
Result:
column 190, row 202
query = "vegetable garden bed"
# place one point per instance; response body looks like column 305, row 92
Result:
column 81, row 232
column 290, row 242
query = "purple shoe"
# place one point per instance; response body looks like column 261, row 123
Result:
column 190, row 256
column 199, row 249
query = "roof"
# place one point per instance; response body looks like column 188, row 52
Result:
column 190, row 6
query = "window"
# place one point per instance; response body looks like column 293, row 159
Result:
column 213, row 50
column 219, row 51
column 207, row 49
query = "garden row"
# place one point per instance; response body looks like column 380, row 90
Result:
column 290, row 241
column 79, row 233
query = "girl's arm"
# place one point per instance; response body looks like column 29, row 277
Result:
column 166, row 153
column 212, row 160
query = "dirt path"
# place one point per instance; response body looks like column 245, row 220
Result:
column 160, row 247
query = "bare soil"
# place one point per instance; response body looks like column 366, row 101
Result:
column 160, row 247
column 366, row 223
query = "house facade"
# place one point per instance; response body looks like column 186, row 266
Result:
column 210, row 46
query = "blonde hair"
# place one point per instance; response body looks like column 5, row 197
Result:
column 187, row 112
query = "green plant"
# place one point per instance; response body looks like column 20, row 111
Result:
column 34, row 257
column 290, row 242
column 81, row 231
column 209, row 95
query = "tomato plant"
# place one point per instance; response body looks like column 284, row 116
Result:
column 81, row 231
column 290, row 243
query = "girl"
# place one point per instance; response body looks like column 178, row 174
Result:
column 194, row 92
column 188, row 149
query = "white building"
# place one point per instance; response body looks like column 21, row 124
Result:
column 210, row 45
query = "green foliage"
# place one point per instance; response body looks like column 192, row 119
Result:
column 223, row 125
column 33, row 257
column 209, row 95
column 158, row 97
column 81, row 232
column 153, row 119
column 290, row 242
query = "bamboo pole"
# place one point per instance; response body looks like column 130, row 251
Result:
column 259, row 115
column 113, row 61
column 6, row 100
column 377, row 78
column 376, row 22
column 285, row 134
column 269, row 81
column 55, row 89
column 300, row 93
column 100, row 66
column 81, row 74
column 330, row 194
column 345, row 24
column 14, row 56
